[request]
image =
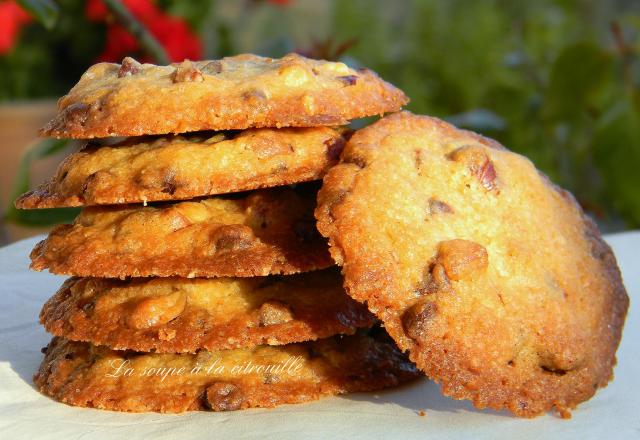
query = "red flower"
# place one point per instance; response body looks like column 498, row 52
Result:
column 12, row 17
column 280, row 2
column 171, row 32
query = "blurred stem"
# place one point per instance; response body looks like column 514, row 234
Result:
column 137, row 29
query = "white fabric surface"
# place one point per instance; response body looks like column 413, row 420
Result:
column 25, row 414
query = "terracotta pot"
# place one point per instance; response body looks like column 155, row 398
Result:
column 19, row 124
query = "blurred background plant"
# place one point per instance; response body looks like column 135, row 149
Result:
column 556, row 80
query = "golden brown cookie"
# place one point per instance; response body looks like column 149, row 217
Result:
column 493, row 278
column 237, row 92
column 183, row 315
column 80, row 374
column 183, row 167
column 258, row 233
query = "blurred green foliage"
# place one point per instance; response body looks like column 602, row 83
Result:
column 556, row 80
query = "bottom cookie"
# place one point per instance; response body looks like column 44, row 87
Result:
column 81, row 374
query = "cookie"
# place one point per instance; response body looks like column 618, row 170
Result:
column 172, row 315
column 81, row 374
column 183, row 167
column 493, row 279
column 244, row 91
column 258, row 233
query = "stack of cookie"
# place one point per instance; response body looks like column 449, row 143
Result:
column 196, row 284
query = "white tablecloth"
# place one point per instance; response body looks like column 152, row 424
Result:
column 24, row 414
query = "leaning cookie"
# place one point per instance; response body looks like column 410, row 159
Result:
column 152, row 169
column 80, row 374
column 172, row 315
column 259, row 233
column 237, row 92
column 492, row 278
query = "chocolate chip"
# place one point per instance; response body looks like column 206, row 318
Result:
column 435, row 280
column 129, row 67
column 169, row 184
column 223, row 396
column 93, row 180
column 348, row 80
column 76, row 114
column 334, row 148
column 356, row 160
column 418, row 318
column 212, row 68
column 418, row 158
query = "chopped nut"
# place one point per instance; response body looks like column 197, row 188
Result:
column 233, row 237
column 417, row 319
column 223, row 396
column 438, row 207
column 274, row 312
column 165, row 334
column 129, row 67
column 175, row 218
column 254, row 95
column 157, row 310
column 335, row 68
column 218, row 137
column 436, row 280
column 487, row 176
column 193, row 211
column 462, row 258
column 294, row 75
column 187, row 72
column 559, row 363
column 309, row 103
column 349, row 80
column 478, row 163
column 266, row 147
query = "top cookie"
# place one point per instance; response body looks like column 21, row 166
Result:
column 495, row 281
column 243, row 91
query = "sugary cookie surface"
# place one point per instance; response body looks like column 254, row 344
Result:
column 185, row 315
column 493, row 278
column 243, row 91
column 80, row 374
column 258, row 233
column 180, row 167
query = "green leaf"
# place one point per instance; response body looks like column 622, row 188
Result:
column 45, row 11
column 579, row 77
column 22, row 184
column 616, row 148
